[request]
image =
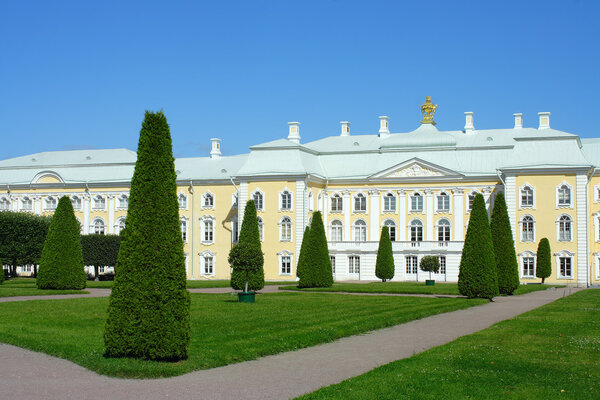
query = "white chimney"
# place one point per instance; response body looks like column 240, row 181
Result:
column 384, row 126
column 518, row 120
column 215, row 151
column 469, row 125
column 345, row 128
column 294, row 135
column 544, row 120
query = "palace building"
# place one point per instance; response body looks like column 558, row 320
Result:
column 420, row 184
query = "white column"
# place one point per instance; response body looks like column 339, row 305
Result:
column 429, row 215
column 511, row 201
column 402, row 211
column 374, row 215
column 14, row 201
column 582, row 230
column 346, row 205
column 301, row 216
column 325, row 212
column 37, row 204
column 242, row 200
column 86, row 214
column 111, row 213
column 457, row 199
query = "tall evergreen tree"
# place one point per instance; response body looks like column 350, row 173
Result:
column 384, row 265
column 61, row 263
column 246, row 257
column 317, row 270
column 504, row 248
column 477, row 275
column 149, row 307
column 303, row 252
column 544, row 260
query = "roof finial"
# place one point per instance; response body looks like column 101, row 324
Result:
column 428, row 110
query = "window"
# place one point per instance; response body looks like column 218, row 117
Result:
column 208, row 263
column 209, row 201
column 286, row 265
column 336, row 231
column 416, row 231
column 411, row 264
column 527, row 233
column 360, row 231
column 119, row 226
column 332, row 259
column 286, row 200
column 564, row 196
column 354, row 264
column 310, row 202
column 234, row 200
column 564, row 267
column 285, row 231
column 4, row 204
column 337, row 203
column 527, row 197
column 99, row 203
column 50, row 203
column 261, row 229
column 443, row 202
column 208, row 236
column 76, row 202
column 442, row 265
column 98, row 227
column 27, row 204
column 416, row 202
column 258, row 200
column 389, row 203
column 234, row 230
column 360, row 203
column 443, row 230
column 471, row 198
column 123, row 201
column 182, row 199
column 183, row 225
column 391, row 229
column 564, row 228
column 528, row 267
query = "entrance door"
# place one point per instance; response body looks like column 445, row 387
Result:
column 354, row 268
column 412, row 266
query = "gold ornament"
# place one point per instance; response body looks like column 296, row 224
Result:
column 428, row 110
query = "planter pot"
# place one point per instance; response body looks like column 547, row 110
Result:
column 429, row 282
column 246, row 297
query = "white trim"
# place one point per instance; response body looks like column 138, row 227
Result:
column 596, row 256
column 448, row 196
column 340, row 196
column 596, row 194
column 93, row 225
column 183, row 218
column 521, row 239
column 204, row 196
column 558, row 228
column 251, row 197
column 117, row 225
column 437, row 226
column 5, row 200
column 366, row 226
column 385, row 195
column 475, row 192
column 180, row 195
column 310, row 201
column 280, row 200
column 353, row 198
column 280, row 223
column 40, row 175
column 205, row 219
column 118, row 201
column 410, row 202
column 564, row 183
column 526, row 207
column 261, row 232
column 103, row 200
column 564, row 254
column 342, row 229
column 527, row 254
column 207, row 253
column 280, row 255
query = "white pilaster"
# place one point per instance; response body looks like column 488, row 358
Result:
column 325, row 213
column 457, row 199
column 242, row 200
column 511, row 201
column 582, row 230
column 429, row 215
column 14, row 202
column 37, row 204
column 402, row 211
column 346, row 205
column 301, row 220
column 111, row 213
column 374, row 215
column 86, row 214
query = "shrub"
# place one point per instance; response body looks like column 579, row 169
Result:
column 246, row 257
column 61, row 263
column 303, row 252
column 100, row 250
column 544, row 260
column 384, row 265
column 149, row 307
column 429, row 264
column 317, row 270
column 477, row 274
column 507, row 267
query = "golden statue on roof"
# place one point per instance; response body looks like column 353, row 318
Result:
column 428, row 110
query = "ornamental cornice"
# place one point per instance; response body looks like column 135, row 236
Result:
column 458, row 191
column 374, row 192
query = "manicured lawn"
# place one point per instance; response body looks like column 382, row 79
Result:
column 26, row 287
column 223, row 330
column 549, row 353
column 190, row 284
column 406, row 287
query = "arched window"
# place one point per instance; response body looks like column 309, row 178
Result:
column 564, row 195
column 443, row 202
column 360, row 203
column 336, row 231
column 27, row 204
column 416, row 202
column 416, row 230
column 182, row 200
column 98, row 227
column 76, row 202
column 183, row 225
column 209, row 200
column 526, row 196
column 123, row 201
column 99, row 203
column 360, row 231
column 4, row 204
column 258, row 200
column 564, row 228
column 391, row 228
column 389, row 202
column 527, row 232
column 50, row 203
column 119, row 226
column 286, row 200
column 443, row 230
column 261, row 228
column 285, row 229
column 337, row 203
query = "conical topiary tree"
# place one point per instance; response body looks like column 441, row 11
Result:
column 543, row 260
column 507, row 268
column 477, row 275
column 303, row 252
column 246, row 258
column 61, row 263
column 384, row 265
column 149, row 307
column 317, row 270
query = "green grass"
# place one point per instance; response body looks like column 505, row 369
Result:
column 405, row 288
column 548, row 353
column 196, row 284
column 223, row 330
column 26, row 287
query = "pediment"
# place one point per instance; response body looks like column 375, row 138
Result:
column 415, row 168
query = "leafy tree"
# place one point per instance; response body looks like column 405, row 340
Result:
column 61, row 263
column 477, row 275
column 317, row 270
column 100, row 250
column 429, row 264
column 504, row 248
column 303, row 252
column 149, row 307
column 384, row 266
column 544, row 260
column 246, row 257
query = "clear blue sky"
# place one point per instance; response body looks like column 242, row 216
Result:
column 79, row 74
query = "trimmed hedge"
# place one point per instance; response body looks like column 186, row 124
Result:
column 100, row 250
column 303, row 252
column 61, row 263
column 429, row 264
column 246, row 258
column 543, row 260
column 384, row 265
column 477, row 274
column 507, row 267
column 317, row 271
column 149, row 306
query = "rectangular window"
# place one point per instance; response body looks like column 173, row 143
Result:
column 332, row 258
column 234, row 231
column 337, row 204
column 443, row 203
column 354, row 264
column 208, row 265
column 101, row 270
column 442, row 265
column 360, row 203
column 565, row 269
column 389, row 203
column 286, row 265
column 411, row 264
column 528, row 268
column 208, row 231
column 416, row 202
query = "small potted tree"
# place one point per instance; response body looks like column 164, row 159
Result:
column 429, row 264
